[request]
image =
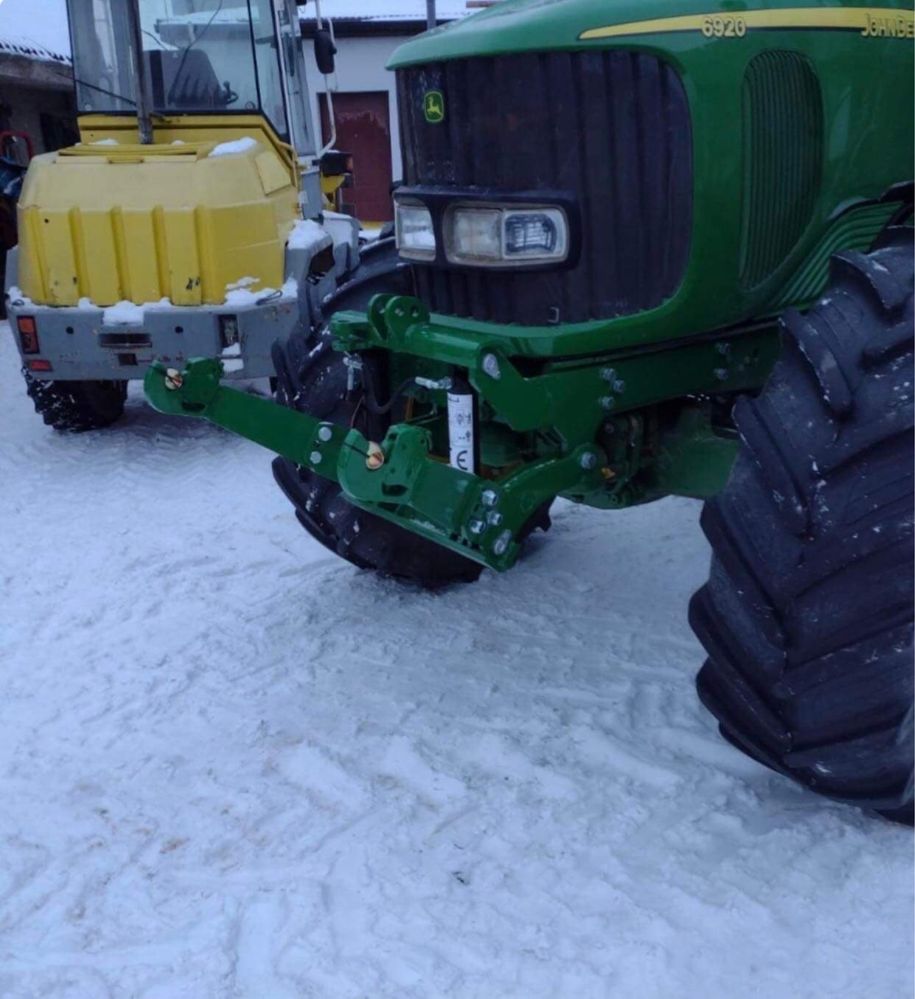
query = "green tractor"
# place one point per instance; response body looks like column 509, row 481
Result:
column 643, row 249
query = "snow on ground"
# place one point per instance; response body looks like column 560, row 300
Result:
column 233, row 766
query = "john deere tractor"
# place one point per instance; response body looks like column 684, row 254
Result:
column 190, row 219
column 650, row 249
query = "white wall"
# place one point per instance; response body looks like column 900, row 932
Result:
column 360, row 67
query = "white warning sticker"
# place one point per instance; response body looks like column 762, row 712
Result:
column 460, row 431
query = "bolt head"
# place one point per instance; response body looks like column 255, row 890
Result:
column 476, row 527
column 619, row 385
column 315, row 457
column 493, row 518
column 608, row 374
column 608, row 402
column 491, row 366
column 325, row 432
column 588, row 461
column 721, row 374
column 489, row 497
column 500, row 545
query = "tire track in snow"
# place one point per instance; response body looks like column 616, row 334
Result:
column 231, row 765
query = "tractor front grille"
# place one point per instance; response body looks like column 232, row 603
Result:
column 610, row 128
column 783, row 163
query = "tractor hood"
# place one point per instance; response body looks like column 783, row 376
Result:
column 555, row 25
column 531, row 25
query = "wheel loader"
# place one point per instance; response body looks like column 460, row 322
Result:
column 190, row 219
column 642, row 249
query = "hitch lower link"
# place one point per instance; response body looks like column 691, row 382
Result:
column 398, row 479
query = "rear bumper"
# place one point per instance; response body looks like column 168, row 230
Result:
column 78, row 344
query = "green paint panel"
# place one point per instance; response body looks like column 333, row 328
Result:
column 783, row 159
column 821, row 71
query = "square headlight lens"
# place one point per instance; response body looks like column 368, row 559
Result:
column 497, row 236
column 540, row 235
column 474, row 235
column 414, row 231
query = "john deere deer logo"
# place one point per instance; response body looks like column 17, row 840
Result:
column 434, row 106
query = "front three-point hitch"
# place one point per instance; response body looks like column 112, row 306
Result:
column 485, row 443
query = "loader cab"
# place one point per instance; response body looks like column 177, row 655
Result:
column 202, row 57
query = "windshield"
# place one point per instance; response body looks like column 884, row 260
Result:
column 202, row 55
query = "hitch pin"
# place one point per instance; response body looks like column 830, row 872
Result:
column 374, row 459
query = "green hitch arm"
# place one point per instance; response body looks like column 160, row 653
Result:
column 196, row 391
column 399, row 479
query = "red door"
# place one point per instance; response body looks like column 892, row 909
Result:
column 364, row 131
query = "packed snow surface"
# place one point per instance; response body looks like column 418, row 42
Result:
column 232, row 765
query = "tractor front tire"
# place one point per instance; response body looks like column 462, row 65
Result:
column 77, row 406
column 312, row 377
column 807, row 615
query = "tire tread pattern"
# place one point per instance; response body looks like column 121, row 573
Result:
column 77, row 406
column 807, row 615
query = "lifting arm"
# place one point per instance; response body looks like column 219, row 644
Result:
column 398, row 479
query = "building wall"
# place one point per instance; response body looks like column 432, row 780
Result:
column 361, row 67
column 47, row 115
column 31, row 90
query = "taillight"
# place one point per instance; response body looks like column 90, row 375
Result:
column 38, row 365
column 28, row 334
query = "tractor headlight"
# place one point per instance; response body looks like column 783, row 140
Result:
column 473, row 235
column 414, row 231
column 490, row 236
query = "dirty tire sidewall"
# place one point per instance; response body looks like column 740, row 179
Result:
column 807, row 614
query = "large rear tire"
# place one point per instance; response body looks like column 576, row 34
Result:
column 78, row 406
column 312, row 377
column 807, row 615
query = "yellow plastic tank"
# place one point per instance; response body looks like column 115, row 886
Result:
column 109, row 220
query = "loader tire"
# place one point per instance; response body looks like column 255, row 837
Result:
column 807, row 616
column 77, row 406
column 312, row 377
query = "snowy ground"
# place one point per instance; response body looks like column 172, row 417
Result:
column 231, row 766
